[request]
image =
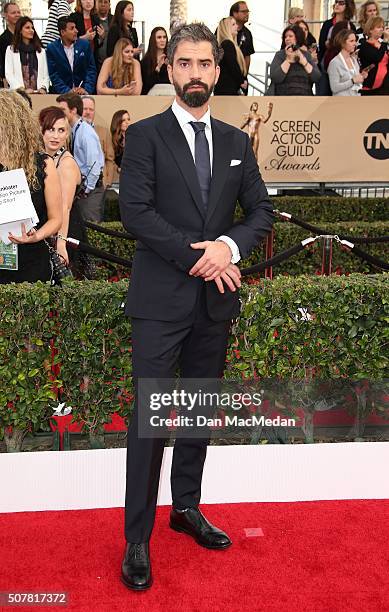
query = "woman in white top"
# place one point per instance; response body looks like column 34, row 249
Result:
column 25, row 60
column 343, row 70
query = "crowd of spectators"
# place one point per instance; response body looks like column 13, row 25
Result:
column 347, row 62
column 92, row 51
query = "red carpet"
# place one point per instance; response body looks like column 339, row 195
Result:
column 313, row 556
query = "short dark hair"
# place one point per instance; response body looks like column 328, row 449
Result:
column 48, row 117
column 235, row 8
column 195, row 32
column 7, row 5
column 73, row 100
column 63, row 22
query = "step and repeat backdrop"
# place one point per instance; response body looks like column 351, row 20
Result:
column 318, row 139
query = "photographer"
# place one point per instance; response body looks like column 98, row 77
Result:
column 293, row 70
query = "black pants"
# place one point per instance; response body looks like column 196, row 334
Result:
column 198, row 346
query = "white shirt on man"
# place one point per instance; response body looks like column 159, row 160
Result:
column 184, row 119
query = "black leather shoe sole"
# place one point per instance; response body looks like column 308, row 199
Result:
column 134, row 587
column 180, row 529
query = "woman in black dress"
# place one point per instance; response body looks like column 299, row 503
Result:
column 88, row 25
column 20, row 148
column 153, row 65
column 343, row 10
column 233, row 68
column 374, row 52
column 55, row 132
column 121, row 27
column 119, row 124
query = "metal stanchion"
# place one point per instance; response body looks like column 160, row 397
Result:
column 269, row 253
column 326, row 262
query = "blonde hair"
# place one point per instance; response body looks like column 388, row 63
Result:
column 224, row 33
column 362, row 17
column 371, row 23
column 121, row 74
column 20, row 136
column 294, row 12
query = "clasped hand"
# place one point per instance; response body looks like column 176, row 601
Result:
column 215, row 265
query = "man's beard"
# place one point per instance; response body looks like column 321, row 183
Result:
column 193, row 99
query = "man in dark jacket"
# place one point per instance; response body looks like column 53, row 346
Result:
column 181, row 176
column 11, row 12
column 240, row 12
column 70, row 61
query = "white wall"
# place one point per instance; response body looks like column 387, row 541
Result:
column 69, row 480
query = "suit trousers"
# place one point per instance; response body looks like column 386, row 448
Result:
column 197, row 345
column 92, row 206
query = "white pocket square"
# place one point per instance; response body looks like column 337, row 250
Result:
column 235, row 162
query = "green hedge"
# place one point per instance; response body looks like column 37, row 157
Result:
column 286, row 235
column 27, row 385
column 327, row 209
column 347, row 336
column 313, row 208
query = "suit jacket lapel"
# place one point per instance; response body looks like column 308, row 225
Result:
column 220, row 164
column 62, row 53
column 176, row 142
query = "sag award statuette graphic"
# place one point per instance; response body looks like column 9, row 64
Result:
column 253, row 120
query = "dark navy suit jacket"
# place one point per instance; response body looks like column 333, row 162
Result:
column 62, row 77
column 161, row 205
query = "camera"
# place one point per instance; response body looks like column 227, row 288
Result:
column 295, row 47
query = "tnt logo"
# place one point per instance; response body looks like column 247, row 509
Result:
column 376, row 139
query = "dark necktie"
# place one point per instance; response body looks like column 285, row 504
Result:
column 202, row 159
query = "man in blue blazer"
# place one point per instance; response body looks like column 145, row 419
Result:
column 70, row 61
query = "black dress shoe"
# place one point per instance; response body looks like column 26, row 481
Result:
column 136, row 568
column 192, row 522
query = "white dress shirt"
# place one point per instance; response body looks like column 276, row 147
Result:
column 184, row 118
column 69, row 52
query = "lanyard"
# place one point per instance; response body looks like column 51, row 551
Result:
column 74, row 135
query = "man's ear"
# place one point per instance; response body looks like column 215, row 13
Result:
column 217, row 74
column 170, row 73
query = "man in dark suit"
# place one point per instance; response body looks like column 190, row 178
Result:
column 11, row 14
column 70, row 61
column 182, row 173
column 240, row 12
